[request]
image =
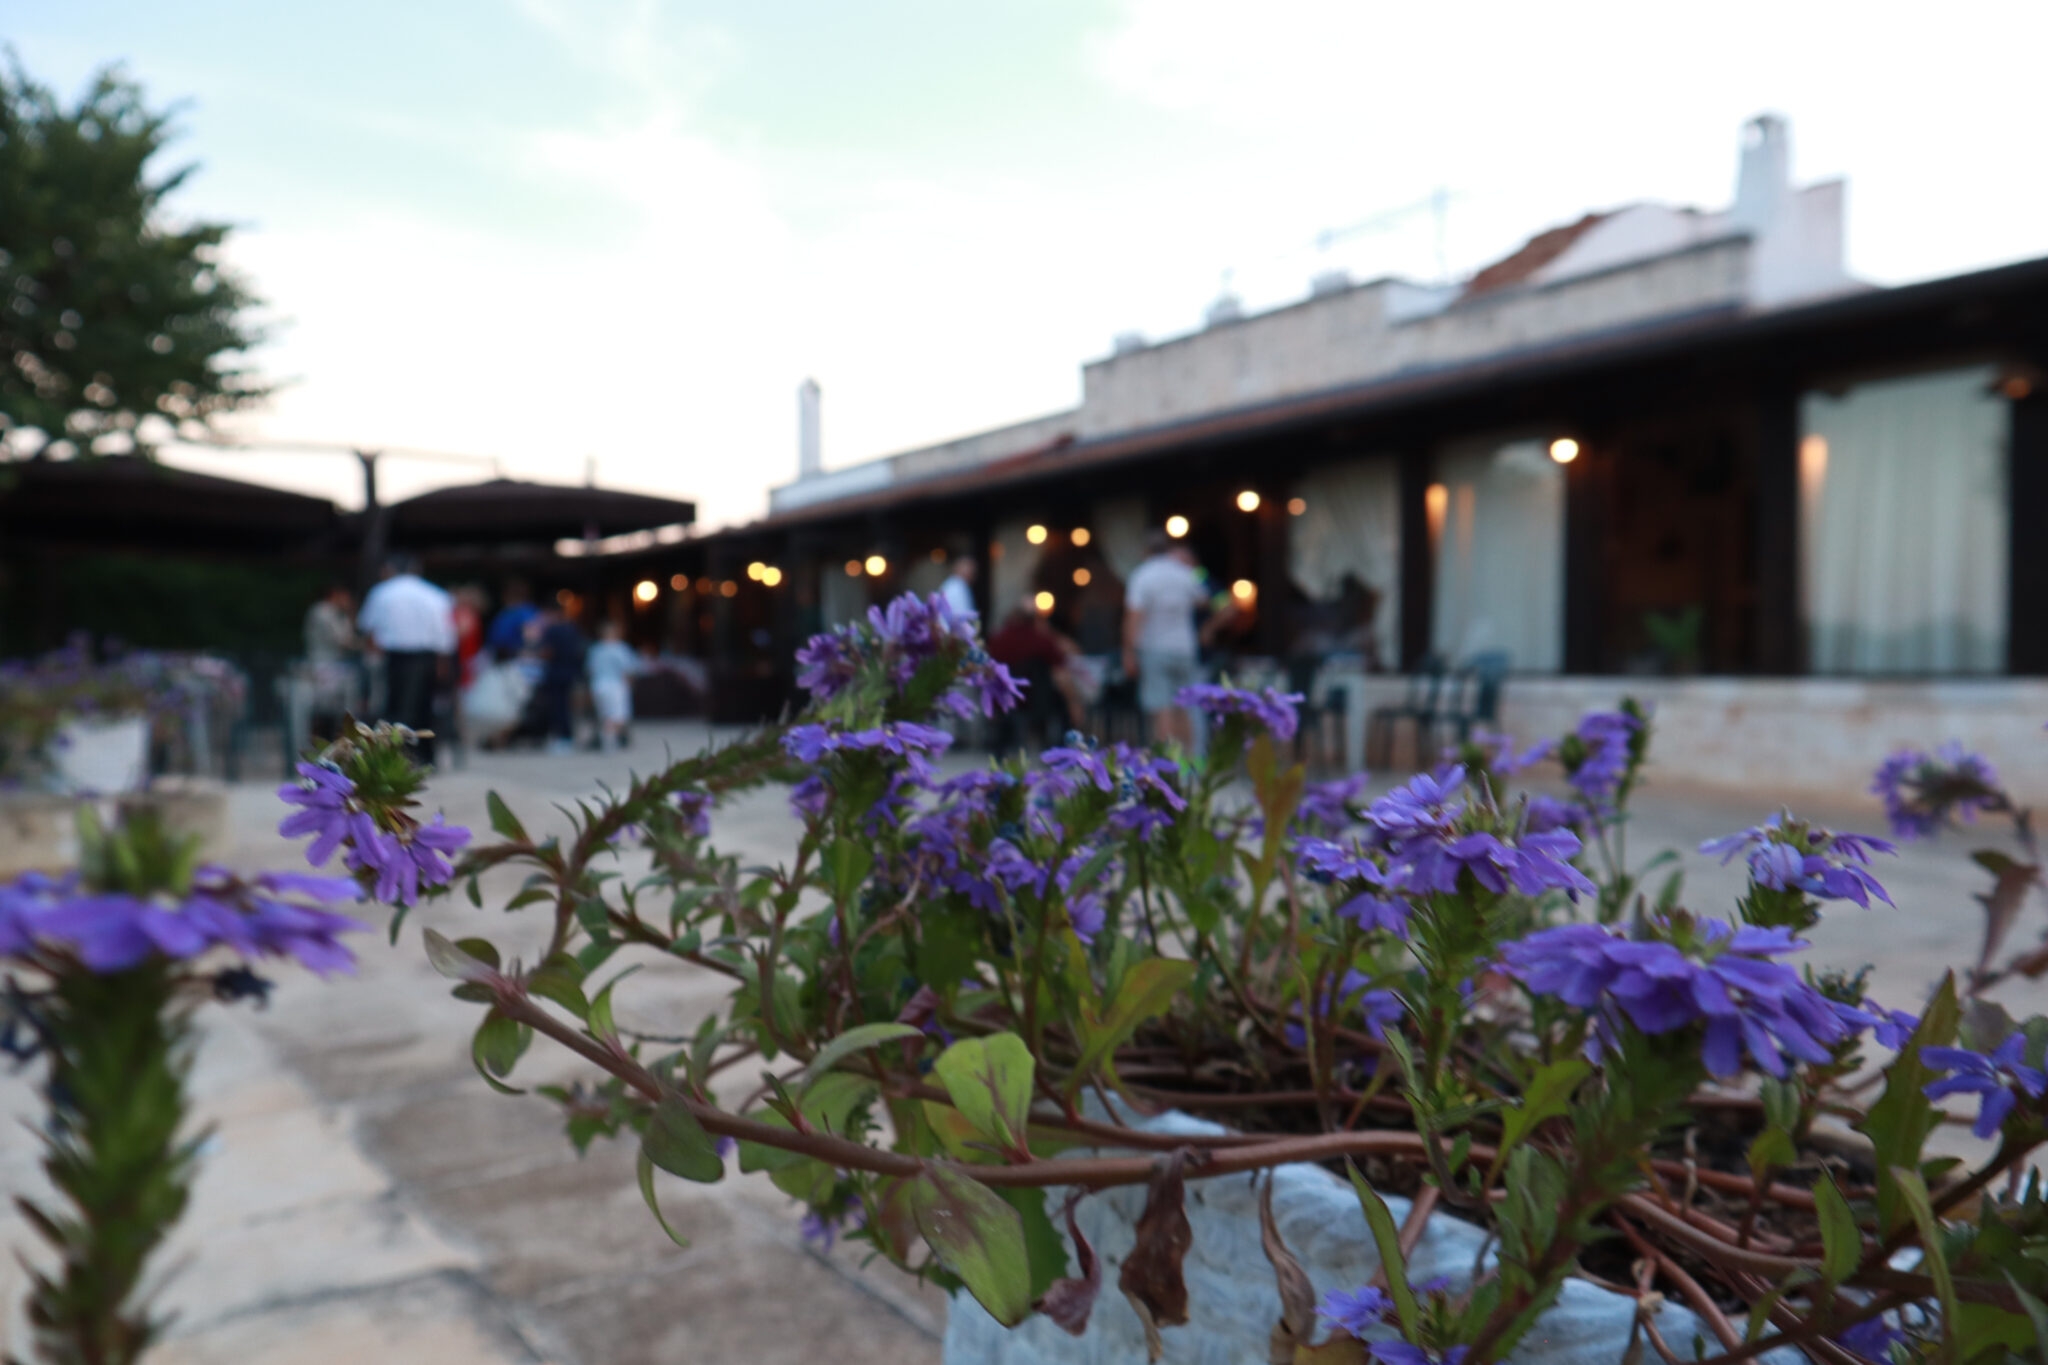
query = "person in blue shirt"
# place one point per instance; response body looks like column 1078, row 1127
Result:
column 611, row 664
column 506, row 639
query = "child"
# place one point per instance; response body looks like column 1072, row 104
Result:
column 611, row 664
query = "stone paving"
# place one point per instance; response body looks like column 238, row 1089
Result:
column 365, row 1197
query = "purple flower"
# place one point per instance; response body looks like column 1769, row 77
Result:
column 1818, row 862
column 808, row 798
column 1382, row 1010
column 1500, row 753
column 1541, row 863
column 273, row 915
column 1328, row 804
column 1270, row 707
column 1423, row 806
column 1873, row 1338
column 1068, row 769
column 1606, row 740
column 898, row 640
column 826, row 664
column 1920, row 791
column 399, row 865
column 814, row 743
column 1356, row 1311
column 1998, row 1080
column 1546, row 813
column 1728, row 981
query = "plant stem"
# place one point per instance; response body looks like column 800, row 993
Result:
column 119, row 1055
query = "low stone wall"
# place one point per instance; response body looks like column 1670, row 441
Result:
column 1797, row 736
column 39, row 831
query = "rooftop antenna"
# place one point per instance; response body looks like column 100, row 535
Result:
column 1437, row 204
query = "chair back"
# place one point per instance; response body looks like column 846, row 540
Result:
column 1426, row 684
column 1488, row 673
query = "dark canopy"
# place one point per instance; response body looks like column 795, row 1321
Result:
column 506, row 511
column 127, row 502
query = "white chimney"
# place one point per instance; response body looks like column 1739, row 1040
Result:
column 1764, row 182
column 1329, row 282
column 1227, row 308
column 810, row 457
column 1127, row 342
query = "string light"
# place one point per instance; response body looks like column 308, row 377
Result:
column 771, row 576
column 1035, row 534
column 728, row 588
column 1244, row 590
column 1081, row 577
column 853, row 568
column 645, row 591
column 1081, row 535
column 1564, row 450
column 1296, row 506
column 877, row 566
column 1043, row 601
column 1248, row 501
column 754, row 570
column 1176, row 526
column 680, row 583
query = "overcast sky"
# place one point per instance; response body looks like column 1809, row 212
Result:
column 548, row 230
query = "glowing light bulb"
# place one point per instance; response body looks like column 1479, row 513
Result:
column 1082, row 577
column 1035, row 534
column 853, row 568
column 877, row 566
column 771, row 576
column 1564, row 450
column 1043, row 601
column 1081, row 535
column 1248, row 501
column 1296, row 506
column 680, row 583
column 1244, row 590
column 754, row 570
column 1176, row 526
column 645, row 590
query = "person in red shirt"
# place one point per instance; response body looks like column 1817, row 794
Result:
column 469, row 631
column 1031, row 649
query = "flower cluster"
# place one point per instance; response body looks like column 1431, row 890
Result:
column 812, row 744
column 1998, row 1079
column 1270, row 708
column 1415, row 844
column 1787, row 856
column 1921, row 790
column 1704, row 972
column 396, row 856
column 274, row 914
column 1328, row 805
column 903, row 637
column 1599, row 755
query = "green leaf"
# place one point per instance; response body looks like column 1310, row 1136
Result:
column 990, row 1082
column 2037, row 1312
column 1920, row 1208
column 1771, row 1149
column 850, row 1042
column 646, row 1168
column 976, row 1236
column 677, row 1142
column 1760, row 1312
column 847, row 863
column 503, row 822
column 561, row 981
column 451, row 961
column 599, row 1020
column 1147, row 990
column 1042, row 1244
column 1549, row 1095
column 1841, row 1240
column 1899, row 1123
column 1387, row 1238
column 496, row 1049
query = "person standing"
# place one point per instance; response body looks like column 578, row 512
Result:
column 611, row 665
column 958, row 588
column 412, row 624
column 506, row 638
column 332, row 675
column 1160, row 644
column 561, row 651
column 469, row 632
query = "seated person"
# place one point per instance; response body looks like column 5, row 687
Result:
column 1026, row 645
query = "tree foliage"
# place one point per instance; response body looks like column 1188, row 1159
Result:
column 111, row 312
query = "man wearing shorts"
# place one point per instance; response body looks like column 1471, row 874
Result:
column 1159, row 634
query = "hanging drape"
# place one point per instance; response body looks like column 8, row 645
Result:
column 840, row 598
column 1016, row 560
column 1497, row 514
column 1905, row 524
column 1347, row 543
column 1118, row 525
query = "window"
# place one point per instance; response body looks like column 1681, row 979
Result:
column 1498, row 527
column 1344, row 553
column 1904, row 521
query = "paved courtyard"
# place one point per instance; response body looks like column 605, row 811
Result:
column 367, row 1198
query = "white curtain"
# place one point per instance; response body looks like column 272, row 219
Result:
column 841, row 597
column 1016, row 560
column 1905, row 521
column 1498, row 523
column 1119, row 528
column 1351, row 526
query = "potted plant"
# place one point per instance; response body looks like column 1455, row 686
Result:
column 979, row 1001
column 70, row 725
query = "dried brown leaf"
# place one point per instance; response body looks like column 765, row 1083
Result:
column 1151, row 1275
column 1297, row 1296
column 2011, row 880
column 1069, row 1301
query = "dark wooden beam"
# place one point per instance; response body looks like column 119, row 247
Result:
column 1780, row 623
column 1588, row 493
column 1418, row 556
column 2026, row 640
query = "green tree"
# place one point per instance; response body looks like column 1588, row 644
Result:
column 111, row 314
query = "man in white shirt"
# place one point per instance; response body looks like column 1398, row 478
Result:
column 1159, row 634
column 412, row 624
column 959, row 586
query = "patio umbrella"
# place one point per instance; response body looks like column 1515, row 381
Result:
column 127, row 502
column 513, row 511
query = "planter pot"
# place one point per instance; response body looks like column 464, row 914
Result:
column 39, row 830
column 1231, row 1296
column 95, row 757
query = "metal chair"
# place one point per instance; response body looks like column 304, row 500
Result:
column 1425, row 690
column 1474, row 699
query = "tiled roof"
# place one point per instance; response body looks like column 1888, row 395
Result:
column 1532, row 256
